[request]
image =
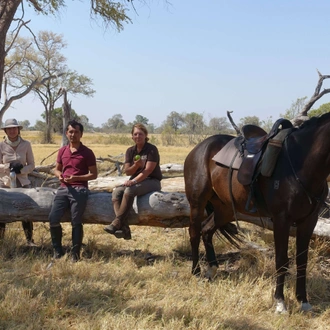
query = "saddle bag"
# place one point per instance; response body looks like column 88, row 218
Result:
column 272, row 152
column 269, row 159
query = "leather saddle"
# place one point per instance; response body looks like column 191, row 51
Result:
column 244, row 152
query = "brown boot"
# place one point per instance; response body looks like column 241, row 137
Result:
column 119, row 227
column 113, row 227
column 124, row 232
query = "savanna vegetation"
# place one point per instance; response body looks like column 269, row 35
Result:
column 145, row 283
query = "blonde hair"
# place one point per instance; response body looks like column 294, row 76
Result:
column 142, row 128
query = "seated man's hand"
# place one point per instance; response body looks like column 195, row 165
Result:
column 16, row 167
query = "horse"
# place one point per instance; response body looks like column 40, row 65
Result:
column 292, row 197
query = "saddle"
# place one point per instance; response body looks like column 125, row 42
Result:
column 245, row 152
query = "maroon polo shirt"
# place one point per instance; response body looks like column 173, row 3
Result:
column 76, row 163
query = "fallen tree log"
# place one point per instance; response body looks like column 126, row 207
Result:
column 175, row 184
column 158, row 209
column 172, row 168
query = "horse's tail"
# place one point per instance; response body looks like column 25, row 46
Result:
column 228, row 231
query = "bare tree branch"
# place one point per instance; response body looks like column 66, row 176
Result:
column 18, row 29
column 302, row 116
column 35, row 83
column 238, row 131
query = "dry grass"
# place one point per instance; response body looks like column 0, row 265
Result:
column 146, row 284
column 103, row 146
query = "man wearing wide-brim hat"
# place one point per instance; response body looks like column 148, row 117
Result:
column 16, row 155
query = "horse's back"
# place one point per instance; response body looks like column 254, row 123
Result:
column 198, row 163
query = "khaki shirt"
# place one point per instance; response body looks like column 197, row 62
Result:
column 22, row 153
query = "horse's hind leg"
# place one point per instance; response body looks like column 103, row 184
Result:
column 281, row 238
column 304, row 233
column 208, row 231
column 196, row 217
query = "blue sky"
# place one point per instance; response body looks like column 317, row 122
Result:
column 252, row 57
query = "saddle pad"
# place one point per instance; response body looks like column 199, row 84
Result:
column 226, row 155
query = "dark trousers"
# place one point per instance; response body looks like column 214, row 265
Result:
column 73, row 198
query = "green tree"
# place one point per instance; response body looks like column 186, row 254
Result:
column 219, row 125
column 174, row 120
column 57, row 120
column 324, row 108
column 110, row 13
column 39, row 126
column 25, row 124
column 252, row 120
column 295, row 109
column 194, row 126
column 45, row 58
column 114, row 124
column 84, row 120
column 141, row 119
column 267, row 124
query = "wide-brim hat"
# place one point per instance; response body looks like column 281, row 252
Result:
column 11, row 123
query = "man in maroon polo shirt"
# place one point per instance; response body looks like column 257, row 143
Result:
column 75, row 166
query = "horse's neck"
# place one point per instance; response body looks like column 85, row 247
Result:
column 312, row 150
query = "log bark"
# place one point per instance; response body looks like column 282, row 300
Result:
column 159, row 209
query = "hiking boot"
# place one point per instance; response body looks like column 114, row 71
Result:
column 124, row 233
column 110, row 229
column 113, row 227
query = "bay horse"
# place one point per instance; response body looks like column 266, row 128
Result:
column 291, row 196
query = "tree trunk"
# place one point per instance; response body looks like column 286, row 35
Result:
column 159, row 209
column 66, row 113
column 8, row 9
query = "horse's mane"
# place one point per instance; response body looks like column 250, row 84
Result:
column 315, row 121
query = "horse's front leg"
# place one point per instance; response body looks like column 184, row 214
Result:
column 281, row 238
column 196, row 218
column 208, row 231
column 304, row 234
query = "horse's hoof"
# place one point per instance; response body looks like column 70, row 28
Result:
column 306, row 307
column 211, row 272
column 280, row 307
